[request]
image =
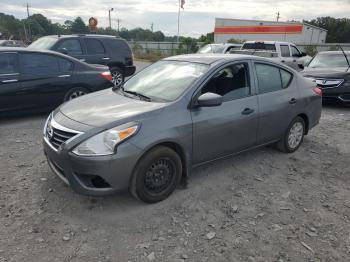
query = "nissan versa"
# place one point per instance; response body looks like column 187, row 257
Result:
column 176, row 114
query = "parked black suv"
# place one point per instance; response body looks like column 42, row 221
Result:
column 93, row 49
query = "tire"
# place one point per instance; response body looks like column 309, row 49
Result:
column 156, row 175
column 75, row 93
column 293, row 137
column 117, row 76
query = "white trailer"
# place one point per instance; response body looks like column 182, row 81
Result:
column 251, row 30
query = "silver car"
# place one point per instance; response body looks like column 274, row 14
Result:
column 174, row 115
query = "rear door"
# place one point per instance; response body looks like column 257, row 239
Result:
column 278, row 97
column 231, row 127
column 95, row 52
column 286, row 57
column 41, row 80
column 10, row 98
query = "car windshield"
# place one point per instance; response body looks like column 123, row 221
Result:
column 165, row 80
column 211, row 49
column 329, row 60
column 43, row 43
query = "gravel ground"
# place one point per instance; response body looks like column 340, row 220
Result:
column 262, row 205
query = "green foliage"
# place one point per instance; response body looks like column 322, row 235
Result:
column 206, row 39
column 311, row 50
column 338, row 28
column 79, row 27
column 235, row 41
column 139, row 34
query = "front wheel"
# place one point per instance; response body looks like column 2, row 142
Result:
column 156, row 175
column 293, row 137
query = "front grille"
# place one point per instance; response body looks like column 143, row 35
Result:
column 59, row 137
column 329, row 83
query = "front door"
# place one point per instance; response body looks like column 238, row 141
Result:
column 231, row 127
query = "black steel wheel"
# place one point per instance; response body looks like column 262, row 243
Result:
column 156, row 175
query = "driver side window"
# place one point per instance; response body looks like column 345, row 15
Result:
column 231, row 83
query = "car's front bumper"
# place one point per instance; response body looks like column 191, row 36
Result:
column 94, row 176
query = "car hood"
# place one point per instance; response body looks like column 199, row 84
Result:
column 104, row 107
column 338, row 72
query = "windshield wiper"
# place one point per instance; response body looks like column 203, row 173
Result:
column 141, row 96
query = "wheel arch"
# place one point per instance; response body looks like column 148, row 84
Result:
column 306, row 121
column 174, row 146
column 116, row 64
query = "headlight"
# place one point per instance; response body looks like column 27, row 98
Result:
column 104, row 143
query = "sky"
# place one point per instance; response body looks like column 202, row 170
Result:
column 197, row 18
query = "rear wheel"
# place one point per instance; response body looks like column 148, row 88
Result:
column 117, row 76
column 75, row 93
column 293, row 137
column 156, row 175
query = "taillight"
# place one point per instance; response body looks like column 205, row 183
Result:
column 318, row 91
column 107, row 75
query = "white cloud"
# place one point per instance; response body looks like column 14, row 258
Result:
column 197, row 18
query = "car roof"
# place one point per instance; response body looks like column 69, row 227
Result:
column 213, row 58
column 83, row 35
column 266, row 42
column 30, row 50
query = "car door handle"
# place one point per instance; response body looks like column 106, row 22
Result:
column 63, row 76
column 9, row 81
column 105, row 58
column 283, row 61
column 292, row 101
column 247, row 111
column 294, row 60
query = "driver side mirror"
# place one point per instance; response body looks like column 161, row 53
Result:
column 209, row 100
column 303, row 54
column 63, row 50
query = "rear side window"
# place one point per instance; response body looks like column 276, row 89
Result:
column 8, row 64
column 94, row 46
column 285, row 51
column 39, row 64
column 115, row 44
column 259, row 46
column 271, row 78
column 65, row 65
column 72, row 46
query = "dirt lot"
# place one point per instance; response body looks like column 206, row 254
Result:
column 259, row 206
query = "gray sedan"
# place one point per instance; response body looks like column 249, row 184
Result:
column 174, row 115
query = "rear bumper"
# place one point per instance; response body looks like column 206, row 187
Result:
column 94, row 176
column 129, row 70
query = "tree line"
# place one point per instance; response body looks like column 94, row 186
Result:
column 38, row 25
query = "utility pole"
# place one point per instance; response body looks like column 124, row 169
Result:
column 118, row 21
column 152, row 27
column 278, row 16
column 178, row 22
column 109, row 17
column 29, row 31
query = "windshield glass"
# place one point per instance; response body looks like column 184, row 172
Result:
column 165, row 80
column 211, row 49
column 43, row 43
column 329, row 60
